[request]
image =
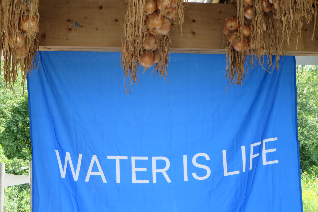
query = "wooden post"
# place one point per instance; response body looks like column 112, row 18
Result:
column 2, row 172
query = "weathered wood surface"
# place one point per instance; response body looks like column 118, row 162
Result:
column 100, row 27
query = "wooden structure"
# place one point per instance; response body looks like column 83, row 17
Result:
column 81, row 25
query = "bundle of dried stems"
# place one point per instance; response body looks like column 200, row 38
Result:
column 263, row 27
column 19, row 28
column 146, row 35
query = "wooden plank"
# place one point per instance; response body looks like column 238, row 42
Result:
column 101, row 27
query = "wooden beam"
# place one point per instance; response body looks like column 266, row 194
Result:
column 82, row 25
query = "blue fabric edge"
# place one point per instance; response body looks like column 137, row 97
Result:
column 37, row 59
column 296, row 121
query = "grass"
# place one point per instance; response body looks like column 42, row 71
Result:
column 309, row 183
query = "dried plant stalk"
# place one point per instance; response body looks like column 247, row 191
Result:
column 146, row 39
column 133, row 44
column 19, row 28
column 274, row 26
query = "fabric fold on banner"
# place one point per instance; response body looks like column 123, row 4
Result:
column 178, row 145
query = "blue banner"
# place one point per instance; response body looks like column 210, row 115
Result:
column 176, row 145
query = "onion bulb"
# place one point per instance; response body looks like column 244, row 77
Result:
column 231, row 37
column 246, row 30
column 277, row 3
column 169, row 12
column 29, row 25
column 144, row 29
column 248, row 12
column 267, row 6
column 248, row 2
column 150, row 42
column 225, row 30
column 22, row 52
column 150, row 7
column 232, row 23
column 239, row 46
column 275, row 15
column 174, row 3
column 154, row 21
column 162, row 4
column 164, row 30
column 17, row 42
column 147, row 59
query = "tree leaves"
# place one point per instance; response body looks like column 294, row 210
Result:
column 15, row 138
column 307, row 100
column 15, row 142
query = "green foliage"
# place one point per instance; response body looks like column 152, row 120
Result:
column 17, row 198
column 309, row 183
column 307, row 100
column 15, row 143
column 14, row 121
column 15, row 138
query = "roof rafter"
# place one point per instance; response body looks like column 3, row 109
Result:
column 81, row 25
